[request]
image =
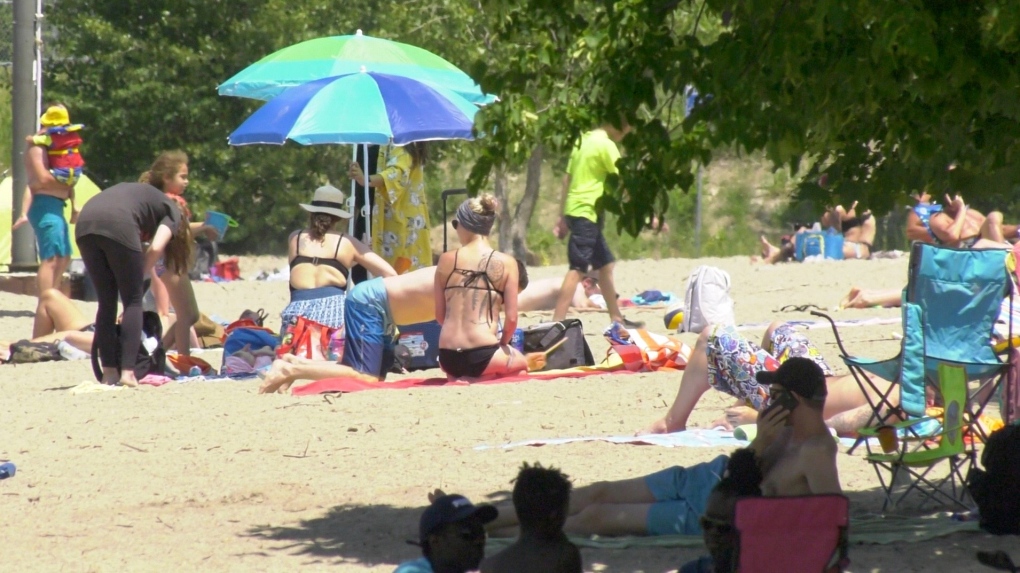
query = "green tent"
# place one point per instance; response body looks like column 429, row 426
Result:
column 84, row 190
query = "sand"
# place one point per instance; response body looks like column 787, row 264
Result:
column 213, row 476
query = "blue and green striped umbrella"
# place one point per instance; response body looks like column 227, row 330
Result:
column 337, row 55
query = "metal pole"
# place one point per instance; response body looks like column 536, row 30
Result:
column 23, row 102
column 697, row 218
column 38, row 61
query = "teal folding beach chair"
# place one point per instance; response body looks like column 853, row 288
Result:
column 950, row 304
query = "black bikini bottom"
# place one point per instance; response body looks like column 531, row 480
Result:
column 466, row 363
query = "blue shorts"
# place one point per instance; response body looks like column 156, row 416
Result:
column 369, row 343
column 67, row 175
column 681, row 495
column 51, row 230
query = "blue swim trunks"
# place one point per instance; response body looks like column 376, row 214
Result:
column 51, row 230
column 681, row 495
column 370, row 332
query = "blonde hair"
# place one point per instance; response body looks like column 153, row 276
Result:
column 483, row 204
column 166, row 166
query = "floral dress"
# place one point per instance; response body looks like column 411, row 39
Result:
column 400, row 218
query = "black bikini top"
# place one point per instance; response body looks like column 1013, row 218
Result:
column 300, row 259
column 473, row 278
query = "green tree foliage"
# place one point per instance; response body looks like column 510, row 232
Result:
column 879, row 96
column 142, row 76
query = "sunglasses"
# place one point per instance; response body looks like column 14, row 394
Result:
column 456, row 224
column 718, row 526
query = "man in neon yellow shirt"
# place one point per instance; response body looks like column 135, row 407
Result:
column 592, row 160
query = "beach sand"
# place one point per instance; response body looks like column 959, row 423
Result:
column 214, row 477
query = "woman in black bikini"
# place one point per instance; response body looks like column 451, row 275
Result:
column 320, row 262
column 473, row 285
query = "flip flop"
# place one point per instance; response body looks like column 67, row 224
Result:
column 799, row 308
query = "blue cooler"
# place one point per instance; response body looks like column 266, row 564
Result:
column 827, row 244
column 422, row 342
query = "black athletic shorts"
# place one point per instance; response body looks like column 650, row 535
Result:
column 587, row 248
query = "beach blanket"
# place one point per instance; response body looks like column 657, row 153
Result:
column 353, row 385
column 875, row 530
column 691, row 438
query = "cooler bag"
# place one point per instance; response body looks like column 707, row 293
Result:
column 422, row 343
column 574, row 352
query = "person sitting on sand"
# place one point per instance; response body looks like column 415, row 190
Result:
column 58, row 319
column 726, row 361
column 451, row 533
column 541, row 497
column 796, row 453
column 373, row 310
column 743, row 478
column 543, row 293
column 858, row 236
column 858, row 232
column 957, row 225
column 474, row 285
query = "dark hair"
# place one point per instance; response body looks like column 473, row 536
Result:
column 320, row 223
column 742, row 477
column 522, row 275
column 541, row 496
column 419, row 153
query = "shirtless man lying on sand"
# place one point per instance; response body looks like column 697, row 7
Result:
column 372, row 312
column 542, row 295
column 795, row 451
column 724, row 360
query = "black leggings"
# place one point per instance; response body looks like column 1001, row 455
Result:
column 115, row 269
column 466, row 363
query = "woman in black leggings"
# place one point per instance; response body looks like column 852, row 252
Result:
column 109, row 233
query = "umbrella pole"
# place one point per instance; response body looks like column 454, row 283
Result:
column 368, row 203
column 351, row 201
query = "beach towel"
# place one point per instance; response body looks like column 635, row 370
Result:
column 690, row 438
column 881, row 530
column 813, row 324
column 653, row 351
column 353, row 385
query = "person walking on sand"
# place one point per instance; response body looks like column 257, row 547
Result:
column 591, row 162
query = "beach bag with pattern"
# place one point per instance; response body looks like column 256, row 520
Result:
column 310, row 339
column 707, row 299
column 26, row 352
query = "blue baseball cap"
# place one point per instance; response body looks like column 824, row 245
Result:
column 449, row 509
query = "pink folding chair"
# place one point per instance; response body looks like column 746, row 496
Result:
column 806, row 534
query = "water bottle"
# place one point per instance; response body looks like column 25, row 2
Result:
column 518, row 340
column 7, row 470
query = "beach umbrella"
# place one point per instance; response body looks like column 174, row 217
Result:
column 337, row 55
column 364, row 107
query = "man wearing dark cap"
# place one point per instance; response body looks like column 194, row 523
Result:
column 452, row 536
column 797, row 452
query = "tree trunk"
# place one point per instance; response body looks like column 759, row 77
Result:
column 526, row 208
column 502, row 194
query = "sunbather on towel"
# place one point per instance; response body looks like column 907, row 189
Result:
column 724, row 360
column 794, row 449
column 372, row 312
column 542, row 295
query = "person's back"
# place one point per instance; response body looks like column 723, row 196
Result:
column 318, row 263
column 541, row 497
column 474, row 291
column 411, row 296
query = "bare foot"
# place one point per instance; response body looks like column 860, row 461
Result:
column 658, row 427
column 276, row 378
column 438, row 493
column 128, row 380
column 851, row 299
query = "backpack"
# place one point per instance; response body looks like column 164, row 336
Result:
column 996, row 489
column 146, row 362
column 27, row 352
column 707, row 299
column 573, row 352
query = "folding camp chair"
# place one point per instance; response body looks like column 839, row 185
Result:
column 950, row 305
column 952, row 448
column 803, row 533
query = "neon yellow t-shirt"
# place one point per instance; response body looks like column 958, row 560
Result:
column 592, row 160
